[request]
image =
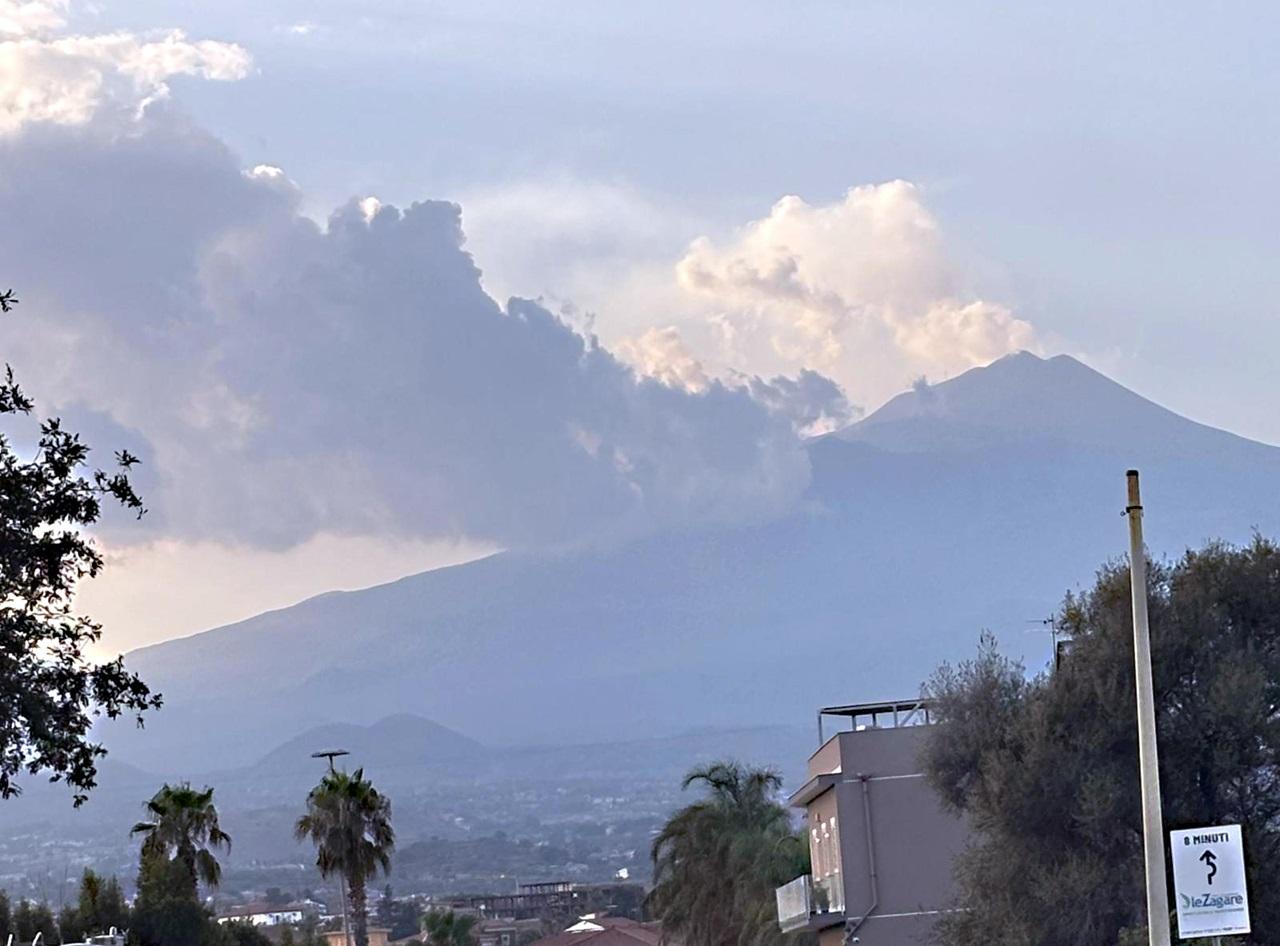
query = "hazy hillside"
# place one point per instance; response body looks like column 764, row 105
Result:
column 585, row 810
column 970, row 504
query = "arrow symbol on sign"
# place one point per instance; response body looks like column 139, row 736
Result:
column 1209, row 859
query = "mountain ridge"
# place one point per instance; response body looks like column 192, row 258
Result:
column 958, row 488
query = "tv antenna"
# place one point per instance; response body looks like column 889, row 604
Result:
column 1061, row 637
column 330, row 754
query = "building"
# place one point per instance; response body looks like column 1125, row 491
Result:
column 507, row 931
column 597, row 930
column 265, row 914
column 880, row 843
column 113, row 938
column 377, row 937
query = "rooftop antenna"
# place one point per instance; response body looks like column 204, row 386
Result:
column 1060, row 636
column 330, row 754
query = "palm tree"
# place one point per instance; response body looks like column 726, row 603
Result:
column 184, row 826
column 717, row 862
column 350, row 824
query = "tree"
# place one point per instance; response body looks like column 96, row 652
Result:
column 275, row 897
column 401, row 917
column 446, row 928
column 69, row 928
column 99, row 907
column 718, row 861
column 1046, row 769
column 184, row 826
column 45, row 923
column 176, row 855
column 51, row 691
column 349, row 822
column 6, row 917
column 32, row 918
column 243, row 934
column 166, row 911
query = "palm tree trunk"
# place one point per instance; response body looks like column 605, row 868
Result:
column 359, row 911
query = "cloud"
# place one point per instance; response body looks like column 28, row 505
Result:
column 590, row 247
column 68, row 80
column 861, row 288
column 353, row 378
column 815, row 404
column 661, row 353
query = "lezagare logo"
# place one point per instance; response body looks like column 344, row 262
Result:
column 1212, row 901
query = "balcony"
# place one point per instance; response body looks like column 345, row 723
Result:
column 808, row 904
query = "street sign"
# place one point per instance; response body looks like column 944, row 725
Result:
column 1208, row 881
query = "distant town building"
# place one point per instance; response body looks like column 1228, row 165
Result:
column 528, row 902
column 265, row 914
column 597, row 930
column 112, row 938
column 507, row 931
column 880, row 843
column 377, row 937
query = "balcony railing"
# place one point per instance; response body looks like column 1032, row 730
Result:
column 805, row 900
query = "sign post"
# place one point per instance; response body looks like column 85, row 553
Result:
column 1209, row 882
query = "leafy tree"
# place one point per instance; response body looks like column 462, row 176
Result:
column 44, row 922
column 176, row 855
column 166, row 911
column 243, row 934
column 275, row 897
column 446, row 928
column 99, row 907
column 1046, row 769
column 70, row 928
column 6, row 916
column 718, row 861
column 308, row 934
column 24, row 924
column 32, row 918
column 349, row 821
column 184, row 826
column 401, row 917
column 50, row 689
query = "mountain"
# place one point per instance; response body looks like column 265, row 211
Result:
column 967, row 505
column 402, row 739
column 1056, row 401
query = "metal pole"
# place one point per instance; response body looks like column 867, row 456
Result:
column 1152, row 816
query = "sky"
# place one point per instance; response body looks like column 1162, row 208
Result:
column 273, row 246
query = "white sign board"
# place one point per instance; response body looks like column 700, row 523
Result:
column 1208, row 881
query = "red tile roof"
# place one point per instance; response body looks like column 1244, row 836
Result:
column 616, row 931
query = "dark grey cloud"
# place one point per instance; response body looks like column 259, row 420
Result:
column 292, row 377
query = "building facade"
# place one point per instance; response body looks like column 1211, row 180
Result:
column 880, row 844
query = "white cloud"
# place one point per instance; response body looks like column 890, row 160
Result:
column 861, row 288
column 661, row 353
column 584, row 241
column 67, row 80
column 31, row 18
column 283, row 379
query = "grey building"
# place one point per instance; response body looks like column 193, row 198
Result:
column 880, row 843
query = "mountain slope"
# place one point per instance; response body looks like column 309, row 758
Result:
column 394, row 740
column 1058, row 401
column 970, row 504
